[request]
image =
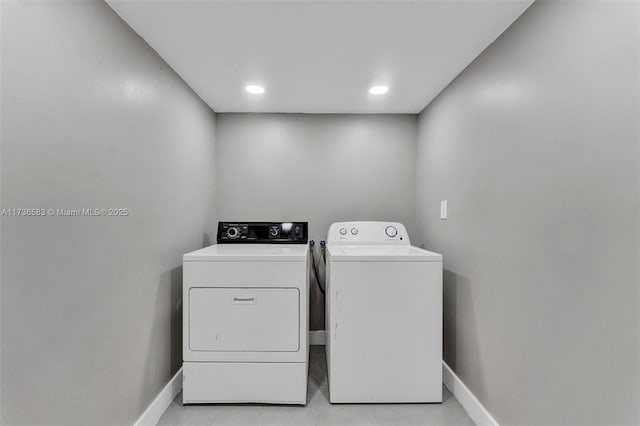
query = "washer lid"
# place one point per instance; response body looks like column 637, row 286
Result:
column 249, row 252
column 382, row 254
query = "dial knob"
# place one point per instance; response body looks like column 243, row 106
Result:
column 354, row 231
column 232, row 232
column 274, row 232
column 343, row 231
column 391, row 231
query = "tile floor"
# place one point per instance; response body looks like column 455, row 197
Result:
column 318, row 410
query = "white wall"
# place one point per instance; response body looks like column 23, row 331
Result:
column 319, row 168
column 316, row 168
column 93, row 118
column 536, row 148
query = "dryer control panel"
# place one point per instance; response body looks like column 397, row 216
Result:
column 262, row 232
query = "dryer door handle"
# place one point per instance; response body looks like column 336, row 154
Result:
column 244, row 300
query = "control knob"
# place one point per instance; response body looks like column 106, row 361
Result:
column 233, row 232
column 391, row 231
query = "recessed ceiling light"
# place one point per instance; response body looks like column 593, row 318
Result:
column 378, row 90
column 256, row 90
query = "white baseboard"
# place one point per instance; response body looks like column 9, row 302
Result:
column 478, row 413
column 468, row 400
column 318, row 337
column 159, row 405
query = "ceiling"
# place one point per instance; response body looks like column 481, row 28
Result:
column 319, row 56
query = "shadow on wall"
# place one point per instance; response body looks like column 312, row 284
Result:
column 169, row 293
column 449, row 320
column 457, row 288
column 317, row 306
column 175, row 303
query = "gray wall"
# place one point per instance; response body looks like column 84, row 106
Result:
column 92, row 117
column 319, row 168
column 535, row 147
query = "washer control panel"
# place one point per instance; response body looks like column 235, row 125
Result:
column 262, row 232
column 367, row 233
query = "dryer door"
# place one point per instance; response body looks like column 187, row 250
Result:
column 225, row 319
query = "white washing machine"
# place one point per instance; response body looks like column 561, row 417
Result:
column 384, row 316
column 245, row 316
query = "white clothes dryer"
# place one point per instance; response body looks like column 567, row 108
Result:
column 245, row 316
